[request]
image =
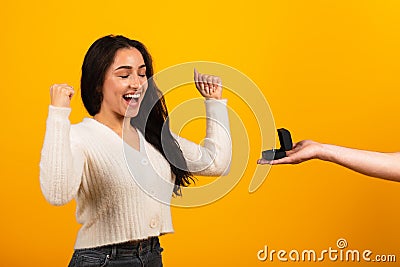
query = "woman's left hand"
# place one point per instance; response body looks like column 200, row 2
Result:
column 209, row 86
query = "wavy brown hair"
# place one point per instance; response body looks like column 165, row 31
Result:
column 152, row 119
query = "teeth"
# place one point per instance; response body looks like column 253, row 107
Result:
column 137, row 95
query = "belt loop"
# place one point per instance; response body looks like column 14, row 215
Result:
column 153, row 242
column 140, row 247
column 114, row 252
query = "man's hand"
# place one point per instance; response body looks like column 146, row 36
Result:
column 302, row 151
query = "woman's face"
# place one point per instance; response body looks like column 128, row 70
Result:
column 125, row 84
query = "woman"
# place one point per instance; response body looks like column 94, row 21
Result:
column 86, row 162
column 375, row 164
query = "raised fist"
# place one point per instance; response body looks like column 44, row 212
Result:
column 209, row 86
column 61, row 95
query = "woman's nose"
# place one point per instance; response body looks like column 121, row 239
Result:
column 134, row 81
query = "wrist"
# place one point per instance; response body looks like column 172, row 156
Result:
column 215, row 98
column 60, row 104
column 324, row 152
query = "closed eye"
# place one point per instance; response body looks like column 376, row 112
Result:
column 124, row 76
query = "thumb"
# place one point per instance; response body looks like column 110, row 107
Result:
column 196, row 75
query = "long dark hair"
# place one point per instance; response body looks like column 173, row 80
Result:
column 152, row 119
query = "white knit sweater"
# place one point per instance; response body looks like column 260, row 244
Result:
column 90, row 163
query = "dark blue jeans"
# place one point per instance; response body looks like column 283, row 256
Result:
column 145, row 253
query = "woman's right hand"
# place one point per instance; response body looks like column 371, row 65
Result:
column 61, row 95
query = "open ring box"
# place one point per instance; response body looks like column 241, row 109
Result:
column 285, row 140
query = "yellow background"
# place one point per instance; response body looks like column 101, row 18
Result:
column 329, row 70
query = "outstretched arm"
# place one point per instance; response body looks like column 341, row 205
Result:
column 375, row 164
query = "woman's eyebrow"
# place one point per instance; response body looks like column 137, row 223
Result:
column 124, row 67
column 129, row 67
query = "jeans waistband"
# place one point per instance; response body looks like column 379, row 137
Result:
column 134, row 247
column 150, row 243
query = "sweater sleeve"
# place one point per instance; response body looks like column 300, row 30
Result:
column 62, row 159
column 213, row 157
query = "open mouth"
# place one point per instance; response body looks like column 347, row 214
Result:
column 132, row 98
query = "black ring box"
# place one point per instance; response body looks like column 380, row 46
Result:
column 285, row 140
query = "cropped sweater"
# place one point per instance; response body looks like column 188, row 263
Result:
column 122, row 194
